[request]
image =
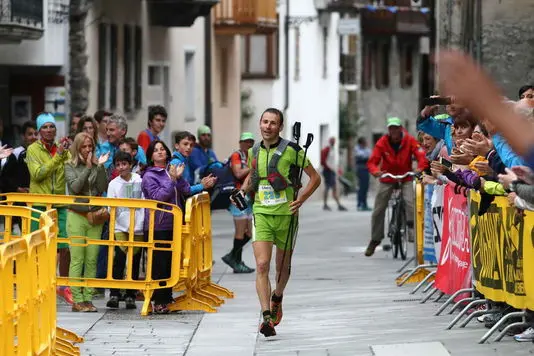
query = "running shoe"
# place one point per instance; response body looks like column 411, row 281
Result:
column 276, row 309
column 267, row 328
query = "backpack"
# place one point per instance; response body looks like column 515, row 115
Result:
column 226, row 183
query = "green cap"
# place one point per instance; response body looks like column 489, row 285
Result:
column 394, row 121
column 204, row 130
column 246, row 136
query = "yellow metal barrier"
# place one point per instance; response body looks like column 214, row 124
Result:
column 148, row 285
column 419, row 208
column 28, row 292
column 199, row 293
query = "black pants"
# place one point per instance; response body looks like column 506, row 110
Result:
column 119, row 262
column 161, row 267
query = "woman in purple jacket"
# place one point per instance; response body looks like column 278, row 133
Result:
column 163, row 184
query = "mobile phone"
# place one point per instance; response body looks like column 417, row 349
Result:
column 445, row 162
column 437, row 101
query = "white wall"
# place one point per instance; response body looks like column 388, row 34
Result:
column 49, row 50
column 313, row 100
column 161, row 46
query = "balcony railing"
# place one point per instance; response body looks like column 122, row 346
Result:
column 245, row 16
column 21, row 20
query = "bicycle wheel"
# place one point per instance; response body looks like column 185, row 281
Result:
column 393, row 228
column 401, row 235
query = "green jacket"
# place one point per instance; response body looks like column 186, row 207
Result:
column 47, row 173
column 83, row 181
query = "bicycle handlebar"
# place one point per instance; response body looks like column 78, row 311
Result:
column 389, row 175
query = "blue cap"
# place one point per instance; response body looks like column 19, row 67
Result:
column 44, row 119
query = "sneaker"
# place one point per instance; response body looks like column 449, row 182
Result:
column 481, row 307
column 276, row 309
column 327, row 208
column 485, row 318
column 79, row 307
column 130, row 303
column 371, row 248
column 267, row 328
column 113, row 303
column 90, row 307
column 229, row 259
column 161, row 309
column 65, row 294
column 525, row 336
column 492, row 320
column 241, row 267
column 341, row 208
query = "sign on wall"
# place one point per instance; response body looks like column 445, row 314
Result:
column 55, row 99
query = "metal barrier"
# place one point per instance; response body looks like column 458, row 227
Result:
column 199, row 293
column 148, row 285
column 28, row 293
column 420, row 273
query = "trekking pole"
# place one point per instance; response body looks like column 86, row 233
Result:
column 293, row 224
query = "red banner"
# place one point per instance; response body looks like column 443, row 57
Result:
column 454, row 268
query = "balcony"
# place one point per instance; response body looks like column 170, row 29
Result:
column 21, row 20
column 245, row 17
column 177, row 13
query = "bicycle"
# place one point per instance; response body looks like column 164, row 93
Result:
column 398, row 226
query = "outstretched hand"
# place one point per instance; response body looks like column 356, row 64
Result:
column 5, row 152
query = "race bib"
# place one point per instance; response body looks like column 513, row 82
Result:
column 269, row 197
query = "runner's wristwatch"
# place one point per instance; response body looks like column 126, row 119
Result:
column 512, row 186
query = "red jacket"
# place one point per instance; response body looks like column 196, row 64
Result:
column 385, row 159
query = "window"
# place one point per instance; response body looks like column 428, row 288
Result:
column 223, row 72
column 113, row 64
column 189, row 85
column 367, row 65
column 325, row 52
column 102, row 64
column 259, row 56
column 154, row 75
column 406, row 52
column 127, row 58
column 382, row 51
column 138, row 67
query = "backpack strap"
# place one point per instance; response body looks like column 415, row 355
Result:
column 280, row 149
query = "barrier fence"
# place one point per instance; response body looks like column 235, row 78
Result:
column 28, row 293
column 190, row 247
column 484, row 249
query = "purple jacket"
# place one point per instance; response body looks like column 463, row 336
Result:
column 157, row 185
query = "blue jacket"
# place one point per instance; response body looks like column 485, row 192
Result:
column 508, row 157
column 200, row 159
column 440, row 129
column 108, row 147
column 177, row 159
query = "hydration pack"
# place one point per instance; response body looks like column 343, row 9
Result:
column 277, row 181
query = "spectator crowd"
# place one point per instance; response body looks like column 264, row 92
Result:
column 98, row 158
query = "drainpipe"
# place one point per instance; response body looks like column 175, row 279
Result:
column 286, row 60
column 207, row 70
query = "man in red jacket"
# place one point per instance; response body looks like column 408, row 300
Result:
column 393, row 154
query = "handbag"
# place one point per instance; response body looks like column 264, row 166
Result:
column 98, row 217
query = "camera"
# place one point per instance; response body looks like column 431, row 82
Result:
column 437, row 101
column 239, row 199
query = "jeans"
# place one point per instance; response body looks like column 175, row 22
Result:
column 161, row 267
column 363, row 179
column 102, row 264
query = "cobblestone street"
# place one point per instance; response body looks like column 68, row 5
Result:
column 337, row 303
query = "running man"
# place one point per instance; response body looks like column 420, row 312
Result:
column 242, row 219
column 275, row 209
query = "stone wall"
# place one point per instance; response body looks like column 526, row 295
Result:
column 376, row 105
column 508, row 39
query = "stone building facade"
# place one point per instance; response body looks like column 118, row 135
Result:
column 506, row 35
